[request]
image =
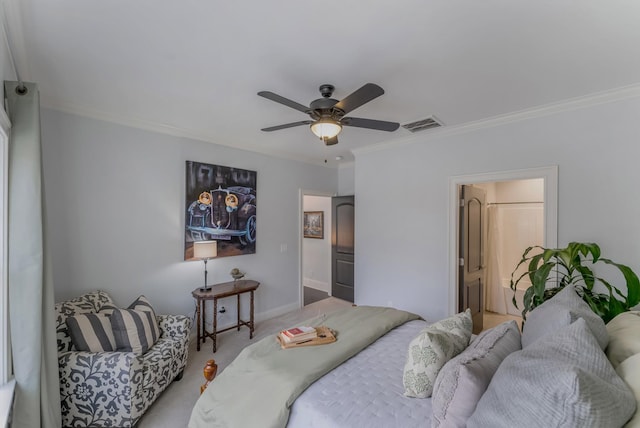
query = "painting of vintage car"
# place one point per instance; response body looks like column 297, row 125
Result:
column 221, row 206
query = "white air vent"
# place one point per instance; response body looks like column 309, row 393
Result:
column 423, row 124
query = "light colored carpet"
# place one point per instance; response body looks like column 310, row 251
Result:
column 173, row 408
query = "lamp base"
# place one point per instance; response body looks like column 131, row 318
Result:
column 206, row 288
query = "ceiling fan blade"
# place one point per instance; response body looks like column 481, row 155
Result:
column 362, row 96
column 282, row 100
column 287, row 125
column 379, row 125
column 330, row 141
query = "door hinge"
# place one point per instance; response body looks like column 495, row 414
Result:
column 462, row 203
column 461, row 261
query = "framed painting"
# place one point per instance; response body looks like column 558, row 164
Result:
column 313, row 225
column 220, row 206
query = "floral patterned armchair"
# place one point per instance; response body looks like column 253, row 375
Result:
column 113, row 389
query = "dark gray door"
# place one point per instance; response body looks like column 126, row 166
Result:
column 342, row 247
column 471, row 276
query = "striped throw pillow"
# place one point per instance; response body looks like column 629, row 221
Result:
column 135, row 330
column 107, row 309
column 91, row 332
column 142, row 304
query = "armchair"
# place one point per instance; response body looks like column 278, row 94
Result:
column 114, row 389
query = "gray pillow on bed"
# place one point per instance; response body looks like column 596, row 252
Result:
column 560, row 311
column 463, row 380
column 565, row 380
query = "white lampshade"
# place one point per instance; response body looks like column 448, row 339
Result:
column 205, row 249
column 326, row 128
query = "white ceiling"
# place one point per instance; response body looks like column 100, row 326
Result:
column 193, row 67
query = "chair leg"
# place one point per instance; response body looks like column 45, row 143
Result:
column 179, row 376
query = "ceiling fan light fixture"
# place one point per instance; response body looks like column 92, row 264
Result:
column 326, row 128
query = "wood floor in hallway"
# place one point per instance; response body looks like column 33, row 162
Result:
column 492, row 319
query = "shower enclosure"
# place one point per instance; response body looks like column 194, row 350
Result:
column 515, row 221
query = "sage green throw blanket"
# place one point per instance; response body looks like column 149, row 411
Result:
column 258, row 388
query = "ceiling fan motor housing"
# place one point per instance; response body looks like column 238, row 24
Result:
column 323, row 107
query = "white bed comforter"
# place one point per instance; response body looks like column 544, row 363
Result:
column 366, row 390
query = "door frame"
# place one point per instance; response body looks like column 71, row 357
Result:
column 548, row 174
column 301, row 194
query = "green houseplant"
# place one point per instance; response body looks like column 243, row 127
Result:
column 550, row 270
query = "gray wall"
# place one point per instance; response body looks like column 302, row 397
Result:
column 346, row 179
column 402, row 250
column 115, row 200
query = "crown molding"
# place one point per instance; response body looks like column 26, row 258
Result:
column 345, row 165
column 604, row 97
column 617, row 94
column 174, row 131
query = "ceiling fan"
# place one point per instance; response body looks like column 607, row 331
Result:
column 328, row 114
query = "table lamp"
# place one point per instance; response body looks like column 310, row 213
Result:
column 205, row 250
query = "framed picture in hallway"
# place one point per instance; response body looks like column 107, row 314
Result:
column 220, row 206
column 313, row 225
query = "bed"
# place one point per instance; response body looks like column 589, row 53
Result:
column 259, row 388
column 366, row 390
column 491, row 381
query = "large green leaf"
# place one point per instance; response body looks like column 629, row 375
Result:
column 539, row 279
column 587, row 276
column 633, row 283
column 527, row 302
column 552, row 269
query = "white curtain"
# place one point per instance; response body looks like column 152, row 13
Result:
column 31, row 300
column 494, row 294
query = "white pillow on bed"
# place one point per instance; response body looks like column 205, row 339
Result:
column 565, row 380
column 624, row 340
column 629, row 371
column 464, row 379
column 431, row 349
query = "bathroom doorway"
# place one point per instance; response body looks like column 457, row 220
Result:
column 514, row 216
column 520, row 210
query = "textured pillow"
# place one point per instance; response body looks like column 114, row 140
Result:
column 559, row 311
column 629, row 370
column 135, row 330
column 463, row 380
column 624, row 337
column 431, row 349
column 91, row 332
column 565, row 380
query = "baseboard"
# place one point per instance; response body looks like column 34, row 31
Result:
column 317, row 285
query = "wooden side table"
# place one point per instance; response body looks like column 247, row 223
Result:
column 218, row 291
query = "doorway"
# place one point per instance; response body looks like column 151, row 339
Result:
column 520, row 204
column 315, row 249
